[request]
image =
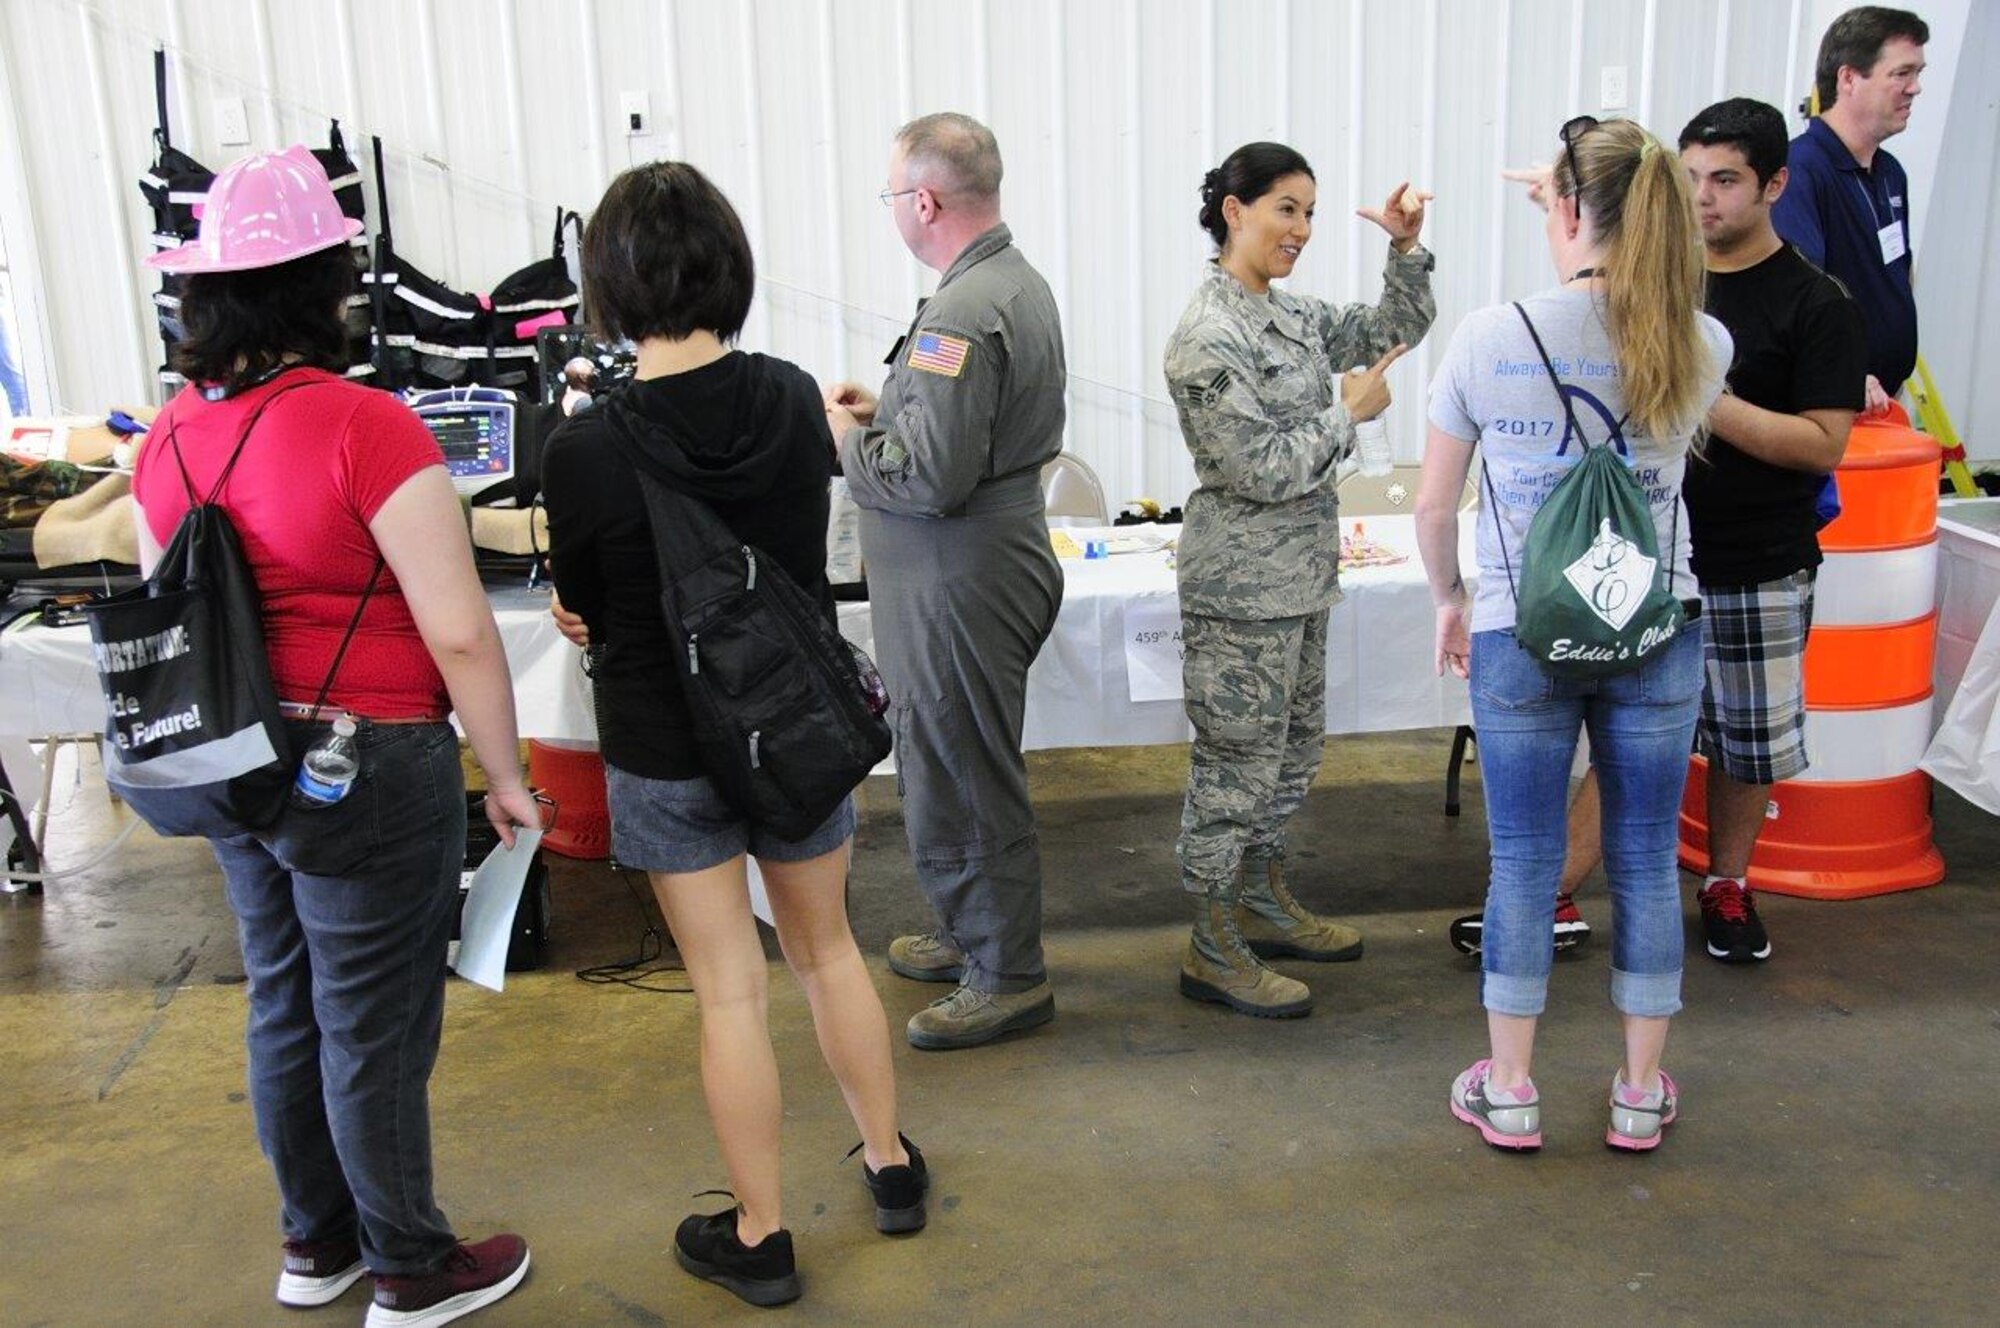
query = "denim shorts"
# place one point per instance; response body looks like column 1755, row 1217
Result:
column 683, row 825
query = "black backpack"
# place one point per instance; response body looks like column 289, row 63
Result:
column 194, row 741
column 787, row 714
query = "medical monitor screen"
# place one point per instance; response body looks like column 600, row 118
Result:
column 478, row 444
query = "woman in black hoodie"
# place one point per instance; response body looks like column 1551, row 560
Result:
column 666, row 264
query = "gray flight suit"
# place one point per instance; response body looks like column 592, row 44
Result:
column 963, row 588
column 1256, row 381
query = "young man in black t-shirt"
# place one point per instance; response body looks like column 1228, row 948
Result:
column 1752, row 493
column 1794, row 388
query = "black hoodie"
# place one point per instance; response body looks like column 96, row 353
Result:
column 747, row 435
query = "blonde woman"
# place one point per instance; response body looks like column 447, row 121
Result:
column 1636, row 364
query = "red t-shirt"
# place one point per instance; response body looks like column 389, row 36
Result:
column 319, row 465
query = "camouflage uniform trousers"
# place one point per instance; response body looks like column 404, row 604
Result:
column 1256, row 695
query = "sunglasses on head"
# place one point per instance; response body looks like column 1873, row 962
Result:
column 1571, row 131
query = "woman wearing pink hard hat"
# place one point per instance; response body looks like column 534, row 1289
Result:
column 373, row 617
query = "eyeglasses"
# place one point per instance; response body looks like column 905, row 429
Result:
column 1571, row 131
column 889, row 196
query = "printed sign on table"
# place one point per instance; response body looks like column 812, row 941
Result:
column 1153, row 648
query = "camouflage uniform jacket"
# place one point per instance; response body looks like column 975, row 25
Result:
column 1256, row 381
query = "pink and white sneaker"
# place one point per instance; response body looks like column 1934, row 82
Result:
column 1505, row 1118
column 1639, row 1119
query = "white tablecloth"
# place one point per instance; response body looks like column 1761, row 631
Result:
column 1379, row 670
column 1964, row 754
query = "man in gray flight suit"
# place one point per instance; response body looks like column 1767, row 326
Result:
column 962, row 583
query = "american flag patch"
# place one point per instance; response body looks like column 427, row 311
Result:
column 936, row 353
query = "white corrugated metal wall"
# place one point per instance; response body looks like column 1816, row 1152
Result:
column 496, row 111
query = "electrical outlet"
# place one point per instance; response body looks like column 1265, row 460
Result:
column 1611, row 88
column 635, row 109
column 232, row 122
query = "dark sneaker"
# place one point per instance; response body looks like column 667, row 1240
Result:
column 1729, row 920
column 898, row 1191
column 1638, row 1119
column 766, row 1274
column 472, row 1277
column 1466, row 933
column 1501, row 1121
column 1570, row 929
column 318, row 1271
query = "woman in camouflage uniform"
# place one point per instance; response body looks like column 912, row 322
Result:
column 1257, row 377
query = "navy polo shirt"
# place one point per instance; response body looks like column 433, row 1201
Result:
column 1832, row 211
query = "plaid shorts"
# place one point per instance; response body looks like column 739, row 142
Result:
column 1753, row 705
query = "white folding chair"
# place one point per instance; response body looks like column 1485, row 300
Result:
column 1072, row 493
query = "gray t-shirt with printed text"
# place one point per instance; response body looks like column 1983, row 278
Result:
column 1493, row 388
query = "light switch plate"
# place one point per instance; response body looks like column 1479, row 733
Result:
column 1612, row 92
column 232, row 122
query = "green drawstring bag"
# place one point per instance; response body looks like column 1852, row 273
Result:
column 1590, row 601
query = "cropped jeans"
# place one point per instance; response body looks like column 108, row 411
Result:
column 1641, row 726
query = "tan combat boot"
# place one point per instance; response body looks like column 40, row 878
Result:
column 926, row 958
column 1277, row 926
column 970, row 1017
column 1220, row 967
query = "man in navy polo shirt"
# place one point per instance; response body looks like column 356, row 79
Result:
column 1847, row 207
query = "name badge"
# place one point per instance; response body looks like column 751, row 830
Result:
column 1891, row 237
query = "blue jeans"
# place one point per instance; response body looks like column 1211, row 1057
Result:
column 343, row 913
column 1641, row 726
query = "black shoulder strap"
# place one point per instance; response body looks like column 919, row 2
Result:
column 334, row 142
column 564, row 217
column 353, row 626
column 161, row 134
column 383, row 242
column 1569, row 411
column 215, row 492
column 1576, row 430
column 686, row 530
column 1555, row 380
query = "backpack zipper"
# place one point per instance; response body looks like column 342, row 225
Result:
column 694, row 660
column 750, row 568
column 755, row 762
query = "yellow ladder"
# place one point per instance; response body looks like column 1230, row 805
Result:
column 1933, row 419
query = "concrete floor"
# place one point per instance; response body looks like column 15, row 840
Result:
column 1142, row 1160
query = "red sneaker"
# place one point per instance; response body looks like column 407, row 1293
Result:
column 471, row 1277
column 318, row 1271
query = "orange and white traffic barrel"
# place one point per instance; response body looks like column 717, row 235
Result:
column 1858, row 821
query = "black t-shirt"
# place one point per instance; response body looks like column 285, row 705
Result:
column 1800, row 346
column 746, row 434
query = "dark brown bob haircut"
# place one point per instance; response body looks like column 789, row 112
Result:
column 665, row 255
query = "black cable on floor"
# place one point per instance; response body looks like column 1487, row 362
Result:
column 638, row 971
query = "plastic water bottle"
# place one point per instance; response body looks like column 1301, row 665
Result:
column 329, row 768
column 1371, row 438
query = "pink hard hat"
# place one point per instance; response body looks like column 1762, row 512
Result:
column 265, row 209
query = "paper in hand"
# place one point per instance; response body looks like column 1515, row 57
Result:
column 486, row 927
